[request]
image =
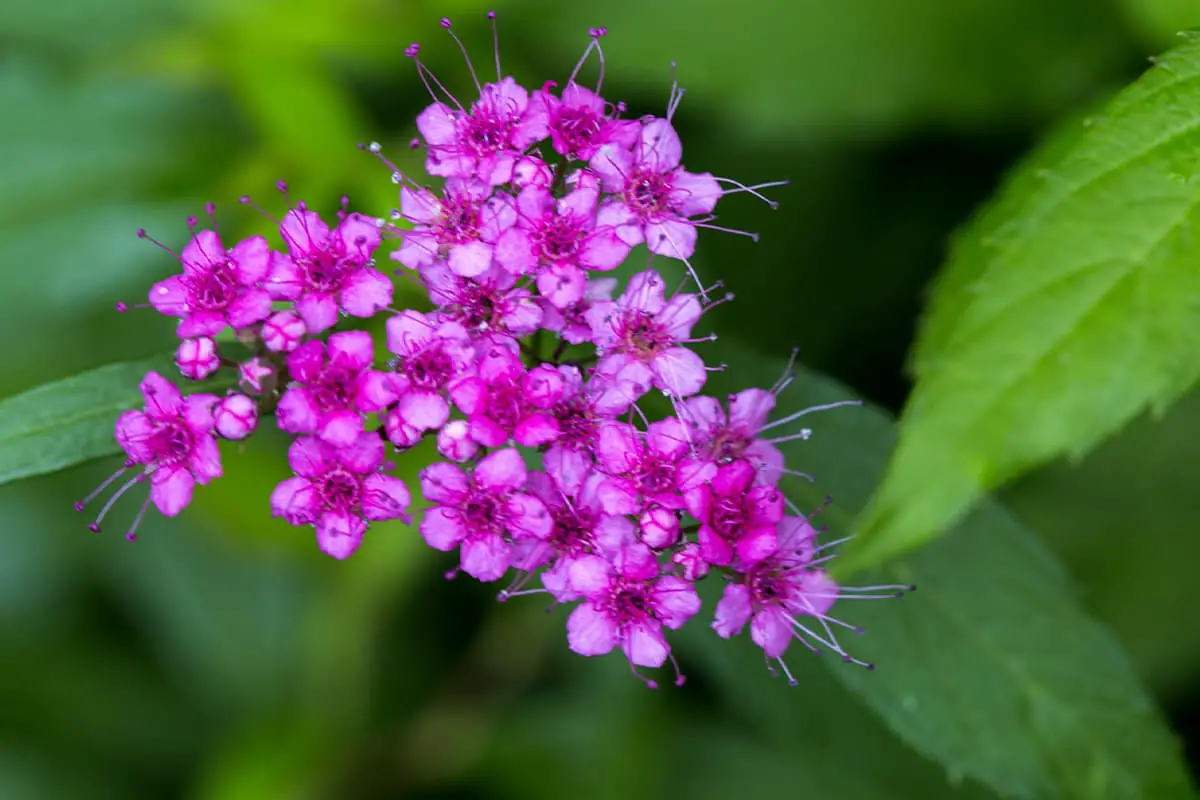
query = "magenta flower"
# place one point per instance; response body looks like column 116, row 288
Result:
column 429, row 355
column 643, row 328
column 339, row 491
column 558, row 241
column 483, row 512
column 254, row 375
column 172, row 441
column 628, row 603
column 723, row 438
column 328, row 269
column 778, row 594
column 461, row 227
column 571, row 322
column 581, row 528
column 486, row 305
column 651, row 468
column 486, row 142
column 501, row 400
column 333, row 388
column 736, row 518
column 580, row 121
column 656, row 199
column 218, row 287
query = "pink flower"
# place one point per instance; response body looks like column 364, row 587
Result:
column 333, row 389
column 254, row 375
column 218, row 287
column 235, row 416
column 580, row 122
column 777, row 595
column 643, row 328
column 486, row 305
column 736, row 518
column 558, row 240
column 461, row 227
column 722, row 438
column 501, row 400
column 578, row 409
column 173, row 443
column 329, row 270
column 581, row 528
column 339, row 490
column 484, row 512
column 485, row 142
column 197, row 358
column 656, row 199
column 643, row 469
column 429, row 355
column 571, row 321
column 628, row 603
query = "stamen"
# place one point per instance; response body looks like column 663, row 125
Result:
column 82, row 504
column 246, row 201
column 789, row 374
column 741, row 187
column 677, row 92
column 445, row 23
column 112, row 501
column 141, row 234
column 491, row 15
column 649, row 683
column 131, row 534
column 748, row 234
column 787, row 672
column 801, row 413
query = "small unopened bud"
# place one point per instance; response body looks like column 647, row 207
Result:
column 454, row 443
column 692, row 566
column 197, row 358
column 253, row 374
column 235, row 416
column 283, row 332
column 660, row 527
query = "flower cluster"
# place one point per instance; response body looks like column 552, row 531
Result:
column 530, row 370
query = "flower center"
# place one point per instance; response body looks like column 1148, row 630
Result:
column 340, row 489
column 642, row 336
column 482, row 512
column 629, row 601
column 658, row 477
column 505, row 405
column 333, row 392
column 486, row 131
column 576, row 424
column 325, row 272
column 577, row 126
column 572, row 530
column 647, row 193
column 429, row 369
column 215, row 289
column 478, row 308
column 459, row 221
column 726, row 446
column 559, row 238
column 172, row 442
column 728, row 516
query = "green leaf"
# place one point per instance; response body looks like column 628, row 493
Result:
column 70, row 421
column 1070, row 306
column 991, row 667
column 866, row 67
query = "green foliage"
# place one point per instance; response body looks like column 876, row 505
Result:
column 1069, row 307
column 991, row 667
column 70, row 421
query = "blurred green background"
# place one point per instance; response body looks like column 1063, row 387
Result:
column 223, row 656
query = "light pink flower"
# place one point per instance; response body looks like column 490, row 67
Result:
column 329, row 270
column 339, row 491
column 333, row 388
column 460, row 227
column 482, row 513
column 628, row 603
column 571, row 322
column 218, row 287
column 558, row 241
column 197, row 358
column 581, row 121
column 723, row 438
column 656, row 199
column 645, row 329
column 651, row 468
column 235, row 416
column 430, row 354
column 486, row 305
column 485, row 142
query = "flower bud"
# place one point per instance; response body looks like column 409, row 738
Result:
column 454, row 443
column 235, row 416
column 197, row 358
column 660, row 527
column 283, row 332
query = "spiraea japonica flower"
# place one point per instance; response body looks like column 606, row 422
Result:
column 529, row 368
